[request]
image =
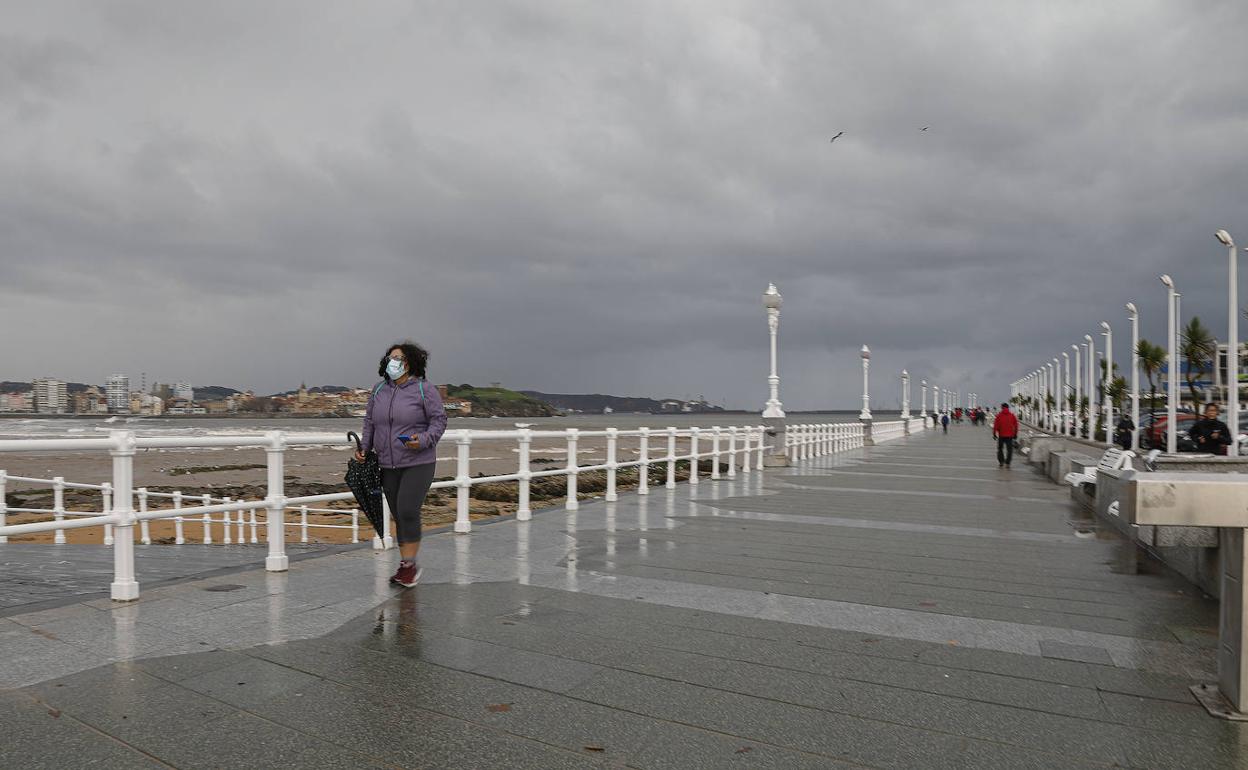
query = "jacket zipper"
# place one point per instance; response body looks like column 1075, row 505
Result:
column 390, row 426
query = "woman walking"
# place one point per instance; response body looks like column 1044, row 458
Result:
column 403, row 424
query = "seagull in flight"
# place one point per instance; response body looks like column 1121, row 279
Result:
column 924, row 128
column 833, row 139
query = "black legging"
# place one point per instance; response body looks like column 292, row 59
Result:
column 405, row 490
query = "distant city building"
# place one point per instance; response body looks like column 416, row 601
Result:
column 49, row 396
column 163, row 391
column 117, row 388
column 90, row 401
column 183, row 390
column 17, row 402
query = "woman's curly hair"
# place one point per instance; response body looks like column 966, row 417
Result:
column 417, row 357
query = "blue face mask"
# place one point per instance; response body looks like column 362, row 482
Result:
column 395, row 369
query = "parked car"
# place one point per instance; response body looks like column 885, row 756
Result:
column 1153, row 429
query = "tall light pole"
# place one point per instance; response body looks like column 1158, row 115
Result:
column 772, row 301
column 1171, row 361
column 1078, row 393
column 865, row 414
column 1232, row 342
column 905, row 395
column 923, row 401
column 1093, row 406
column 1066, row 416
column 1109, row 381
column 1134, row 315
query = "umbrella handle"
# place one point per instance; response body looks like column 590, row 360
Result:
column 352, row 436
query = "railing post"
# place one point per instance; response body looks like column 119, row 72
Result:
column 671, row 458
column 303, row 523
column 125, row 587
column 106, row 498
column 715, row 452
column 4, row 506
column 761, row 448
column 145, row 529
column 58, row 507
column 693, row 456
column 179, row 531
column 523, row 510
column 355, row 525
column 227, row 522
column 732, row 452
column 255, row 525
column 463, row 456
column 572, row 503
column 613, row 439
column 242, row 526
column 207, row 519
column 793, row 438
column 643, row 467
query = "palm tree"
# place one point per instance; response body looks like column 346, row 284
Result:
column 1152, row 358
column 1199, row 348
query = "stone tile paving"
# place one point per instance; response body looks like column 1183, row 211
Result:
column 934, row 619
column 43, row 574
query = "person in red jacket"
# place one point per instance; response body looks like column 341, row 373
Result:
column 1005, row 430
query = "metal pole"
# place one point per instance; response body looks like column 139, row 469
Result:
column 275, row 503
column 125, row 587
column 1171, row 367
column 1109, row 381
column 865, row 414
column 1232, row 348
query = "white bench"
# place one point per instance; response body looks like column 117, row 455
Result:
column 1114, row 459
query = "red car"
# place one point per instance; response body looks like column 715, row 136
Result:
column 1153, row 433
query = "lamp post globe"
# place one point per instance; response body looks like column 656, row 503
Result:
column 771, row 302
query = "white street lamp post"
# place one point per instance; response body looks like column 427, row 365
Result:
column 1093, row 405
column 865, row 414
column 1171, row 361
column 1078, row 393
column 1134, row 315
column 923, row 400
column 1109, row 381
column 1065, row 393
column 1232, row 342
column 772, row 301
column 905, row 395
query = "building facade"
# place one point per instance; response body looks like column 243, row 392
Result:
column 117, row 389
column 50, row 396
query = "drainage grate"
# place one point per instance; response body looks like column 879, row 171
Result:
column 225, row 587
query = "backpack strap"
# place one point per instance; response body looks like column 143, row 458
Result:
column 383, row 382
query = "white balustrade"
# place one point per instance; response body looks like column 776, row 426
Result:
column 122, row 505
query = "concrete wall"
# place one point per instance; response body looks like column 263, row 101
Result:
column 1192, row 552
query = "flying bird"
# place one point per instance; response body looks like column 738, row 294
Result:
column 833, row 139
column 924, row 128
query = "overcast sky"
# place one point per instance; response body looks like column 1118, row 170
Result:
column 592, row 197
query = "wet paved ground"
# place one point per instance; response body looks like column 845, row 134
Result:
column 909, row 605
column 34, row 576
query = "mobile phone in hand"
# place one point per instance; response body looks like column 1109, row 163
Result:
column 404, row 439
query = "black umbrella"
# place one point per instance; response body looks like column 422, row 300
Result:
column 364, row 480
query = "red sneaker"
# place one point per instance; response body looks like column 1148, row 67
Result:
column 395, row 577
column 408, row 576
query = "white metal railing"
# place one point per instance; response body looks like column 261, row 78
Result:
column 803, row 441
column 887, row 431
column 745, row 449
column 143, row 498
column 916, row 425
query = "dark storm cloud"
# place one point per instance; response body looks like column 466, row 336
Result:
column 576, row 196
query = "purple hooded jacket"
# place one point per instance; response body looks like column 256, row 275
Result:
column 411, row 409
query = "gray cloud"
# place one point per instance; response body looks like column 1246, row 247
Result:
column 573, row 196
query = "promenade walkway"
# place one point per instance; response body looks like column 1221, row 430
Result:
column 907, row 605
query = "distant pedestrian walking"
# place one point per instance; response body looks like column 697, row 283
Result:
column 1005, row 430
column 944, row 423
column 403, row 424
column 1123, row 432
